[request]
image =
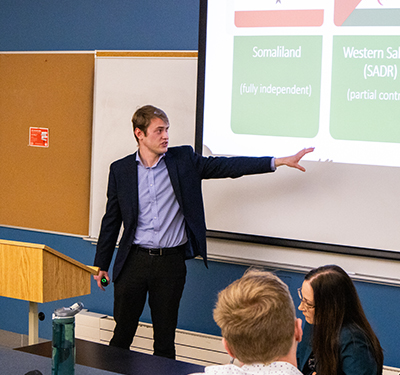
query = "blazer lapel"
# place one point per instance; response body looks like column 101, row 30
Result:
column 131, row 185
column 172, row 168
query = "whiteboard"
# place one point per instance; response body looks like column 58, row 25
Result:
column 125, row 81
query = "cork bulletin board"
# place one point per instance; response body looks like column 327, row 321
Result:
column 46, row 105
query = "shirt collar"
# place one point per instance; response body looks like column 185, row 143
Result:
column 139, row 161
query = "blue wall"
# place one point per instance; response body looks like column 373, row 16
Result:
column 381, row 303
column 88, row 25
column 48, row 25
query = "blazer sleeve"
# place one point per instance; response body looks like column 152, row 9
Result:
column 356, row 356
column 110, row 226
column 230, row 167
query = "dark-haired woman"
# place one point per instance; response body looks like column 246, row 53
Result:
column 338, row 338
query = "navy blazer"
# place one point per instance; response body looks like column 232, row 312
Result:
column 186, row 170
column 355, row 354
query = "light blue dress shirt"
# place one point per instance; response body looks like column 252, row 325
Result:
column 160, row 221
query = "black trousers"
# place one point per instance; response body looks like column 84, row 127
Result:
column 163, row 279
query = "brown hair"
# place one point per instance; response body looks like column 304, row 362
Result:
column 336, row 305
column 142, row 117
column 256, row 315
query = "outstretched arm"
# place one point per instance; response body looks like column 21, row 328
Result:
column 293, row 161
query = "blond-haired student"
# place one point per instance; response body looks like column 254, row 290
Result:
column 258, row 323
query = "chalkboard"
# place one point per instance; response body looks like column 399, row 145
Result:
column 125, row 81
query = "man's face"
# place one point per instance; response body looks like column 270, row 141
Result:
column 156, row 139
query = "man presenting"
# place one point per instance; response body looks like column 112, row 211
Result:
column 156, row 194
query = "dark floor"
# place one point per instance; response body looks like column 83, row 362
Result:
column 13, row 340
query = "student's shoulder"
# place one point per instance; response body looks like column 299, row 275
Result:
column 354, row 340
column 351, row 333
column 227, row 369
column 282, row 368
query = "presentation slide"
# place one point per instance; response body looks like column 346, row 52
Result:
column 282, row 75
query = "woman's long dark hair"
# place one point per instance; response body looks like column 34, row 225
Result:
column 336, row 305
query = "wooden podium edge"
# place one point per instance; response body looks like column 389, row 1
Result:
column 91, row 269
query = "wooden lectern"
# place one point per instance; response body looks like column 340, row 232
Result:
column 38, row 274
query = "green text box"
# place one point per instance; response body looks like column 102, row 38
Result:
column 276, row 85
column 365, row 97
